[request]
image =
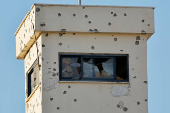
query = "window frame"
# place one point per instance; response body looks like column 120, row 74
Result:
column 29, row 79
column 67, row 55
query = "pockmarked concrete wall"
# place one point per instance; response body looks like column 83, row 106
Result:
column 94, row 97
column 34, row 100
column 86, row 29
column 75, row 18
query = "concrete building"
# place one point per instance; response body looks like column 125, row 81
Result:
column 85, row 59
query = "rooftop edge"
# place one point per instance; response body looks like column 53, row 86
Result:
column 91, row 6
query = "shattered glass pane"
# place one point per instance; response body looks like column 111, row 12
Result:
column 71, row 67
column 98, row 67
column 87, row 67
column 103, row 67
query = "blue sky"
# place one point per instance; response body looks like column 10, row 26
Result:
column 12, row 70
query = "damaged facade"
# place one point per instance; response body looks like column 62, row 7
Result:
column 85, row 59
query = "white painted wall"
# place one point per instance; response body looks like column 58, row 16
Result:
column 34, row 101
column 94, row 97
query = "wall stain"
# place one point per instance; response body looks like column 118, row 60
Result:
column 119, row 91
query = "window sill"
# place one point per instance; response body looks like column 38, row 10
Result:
column 33, row 92
column 94, row 82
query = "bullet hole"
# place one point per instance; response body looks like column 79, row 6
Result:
column 54, row 62
column 89, row 22
column 64, row 92
column 68, row 46
column 95, row 38
column 74, row 33
column 86, row 16
column 138, row 38
column 138, row 103
column 59, row 14
column 95, row 30
column 69, row 86
column 46, row 35
column 37, row 9
column 63, row 30
column 42, row 24
column 146, row 100
column 60, row 44
column 92, row 47
column 121, row 50
column 136, row 57
column 74, row 15
column 145, row 82
column 132, row 68
column 42, row 59
column 143, row 20
column 137, row 43
column 125, row 109
column 83, row 7
column 148, row 24
column 125, row 14
column 90, row 30
column 115, row 15
column 143, row 32
column 111, row 12
column 118, row 106
column 43, row 45
column 134, row 77
column 54, row 69
column 109, row 24
column 58, row 108
column 115, row 39
column 75, row 100
column 51, row 99
column 47, row 62
column 60, row 34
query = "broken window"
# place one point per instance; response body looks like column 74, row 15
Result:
column 94, row 67
column 32, row 78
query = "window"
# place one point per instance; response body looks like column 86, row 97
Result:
column 93, row 67
column 32, row 78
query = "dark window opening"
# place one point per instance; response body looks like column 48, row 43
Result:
column 121, row 68
column 94, row 67
column 32, row 79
